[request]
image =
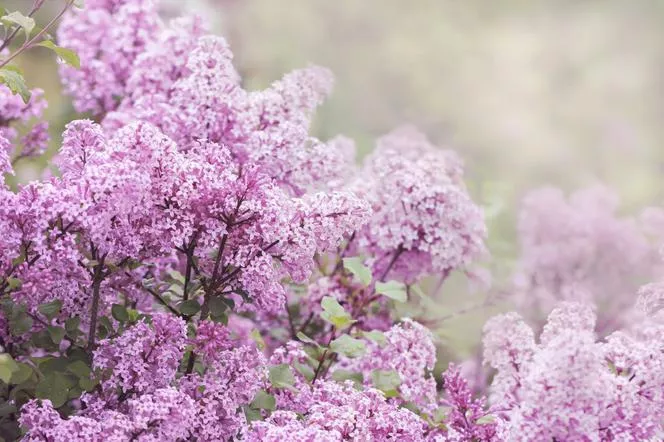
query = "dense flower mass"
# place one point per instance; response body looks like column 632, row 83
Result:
column 107, row 36
column 202, row 268
column 579, row 249
column 15, row 116
column 424, row 221
column 408, row 350
column 569, row 386
column 144, row 358
column 340, row 412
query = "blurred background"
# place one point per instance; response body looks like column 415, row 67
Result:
column 529, row 92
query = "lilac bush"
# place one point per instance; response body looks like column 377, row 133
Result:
column 202, row 268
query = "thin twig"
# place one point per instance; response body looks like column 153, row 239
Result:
column 190, row 363
column 321, row 360
column 39, row 34
column 35, row 7
column 396, row 255
column 163, row 302
column 97, row 278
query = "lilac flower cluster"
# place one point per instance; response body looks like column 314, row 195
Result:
column 570, row 386
column 340, row 412
column 408, row 349
column 579, row 249
column 424, row 221
column 18, row 117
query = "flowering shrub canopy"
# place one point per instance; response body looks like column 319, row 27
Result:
column 202, row 268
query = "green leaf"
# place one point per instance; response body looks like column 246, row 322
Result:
column 7, row 367
column 119, row 312
column 27, row 23
column 72, row 324
column 176, row 276
column 80, row 369
column 67, row 55
column 377, row 336
column 348, row 346
column 7, row 408
column 43, row 339
column 341, row 375
column 307, row 340
column 14, row 283
column 22, row 373
column 20, row 324
column 13, row 79
column 217, row 306
column 51, row 365
column 264, row 401
column 281, row 376
column 190, row 307
column 387, row 381
column 54, row 388
column 75, row 392
column 252, row 414
column 133, row 315
column 134, row 264
column 334, row 313
column 357, row 268
column 20, row 259
column 50, row 309
column 10, row 430
column 56, row 333
column 220, row 319
column 305, row 370
column 105, row 327
column 392, row 289
column 258, row 339
column 87, row 384
column 78, row 354
column 412, row 407
column 229, row 302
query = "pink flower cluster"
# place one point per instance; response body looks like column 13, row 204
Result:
column 107, row 35
column 339, row 412
column 140, row 397
column 424, row 221
column 579, row 249
column 570, row 386
column 17, row 116
column 408, row 350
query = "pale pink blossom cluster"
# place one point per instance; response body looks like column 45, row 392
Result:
column 424, row 220
column 409, row 351
column 18, row 117
column 107, row 35
column 340, row 412
column 580, row 249
column 569, row 385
